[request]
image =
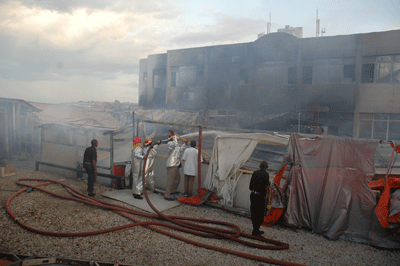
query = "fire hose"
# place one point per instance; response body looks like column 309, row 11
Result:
column 196, row 147
column 179, row 223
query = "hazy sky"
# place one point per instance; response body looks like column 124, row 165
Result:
column 55, row 51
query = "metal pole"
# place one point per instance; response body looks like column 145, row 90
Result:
column 133, row 124
column 137, row 128
column 199, row 158
column 111, row 154
column 133, row 136
column 298, row 125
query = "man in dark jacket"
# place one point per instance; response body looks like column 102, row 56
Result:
column 259, row 183
column 90, row 165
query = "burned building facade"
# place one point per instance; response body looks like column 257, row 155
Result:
column 354, row 78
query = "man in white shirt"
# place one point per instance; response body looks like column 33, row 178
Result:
column 190, row 168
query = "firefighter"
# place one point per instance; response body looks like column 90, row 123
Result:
column 149, row 173
column 137, row 157
column 173, row 165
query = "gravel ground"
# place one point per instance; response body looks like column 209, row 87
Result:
column 142, row 246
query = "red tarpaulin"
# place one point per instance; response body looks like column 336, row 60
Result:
column 199, row 198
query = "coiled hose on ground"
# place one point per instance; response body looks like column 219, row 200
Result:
column 179, row 223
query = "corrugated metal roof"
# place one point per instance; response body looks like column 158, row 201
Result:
column 27, row 104
column 76, row 116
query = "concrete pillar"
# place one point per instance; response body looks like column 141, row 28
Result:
column 299, row 65
column 356, row 120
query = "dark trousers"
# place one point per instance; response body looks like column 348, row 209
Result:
column 257, row 208
column 91, row 177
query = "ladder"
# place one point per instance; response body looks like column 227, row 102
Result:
column 315, row 122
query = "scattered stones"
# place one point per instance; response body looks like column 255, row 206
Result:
column 141, row 246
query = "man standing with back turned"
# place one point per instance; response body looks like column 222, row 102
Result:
column 190, row 168
column 90, row 165
column 258, row 185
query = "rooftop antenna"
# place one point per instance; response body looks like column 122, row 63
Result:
column 317, row 33
column 269, row 24
column 323, row 30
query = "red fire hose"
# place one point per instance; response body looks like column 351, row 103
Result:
column 179, row 223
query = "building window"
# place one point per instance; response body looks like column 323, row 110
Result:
column 232, row 112
column 173, row 79
column 394, row 130
column 379, row 129
column 383, row 72
column 292, row 75
column 307, row 74
column 396, row 72
column 188, row 96
column 365, row 129
column 159, row 79
column 367, row 75
column 349, row 73
column 243, row 76
column 144, row 76
column 328, row 70
column 380, row 126
column 270, row 72
column 222, row 112
column 381, row 69
column 156, row 81
column 185, row 76
column 200, row 78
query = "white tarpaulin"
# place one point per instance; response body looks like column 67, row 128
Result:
column 230, row 153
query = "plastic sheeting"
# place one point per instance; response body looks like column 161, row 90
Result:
column 230, row 153
column 327, row 189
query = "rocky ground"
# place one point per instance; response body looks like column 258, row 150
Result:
column 142, row 246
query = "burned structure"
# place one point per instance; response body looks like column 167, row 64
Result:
column 349, row 83
column 17, row 128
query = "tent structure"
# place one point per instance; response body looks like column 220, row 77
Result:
column 327, row 189
column 230, row 153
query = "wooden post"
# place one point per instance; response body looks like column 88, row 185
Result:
column 42, row 129
column 199, row 158
column 111, row 153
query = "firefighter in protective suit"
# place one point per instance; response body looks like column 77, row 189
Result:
column 137, row 156
column 173, row 165
column 149, row 173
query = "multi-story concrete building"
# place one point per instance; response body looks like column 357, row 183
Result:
column 354, row 78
